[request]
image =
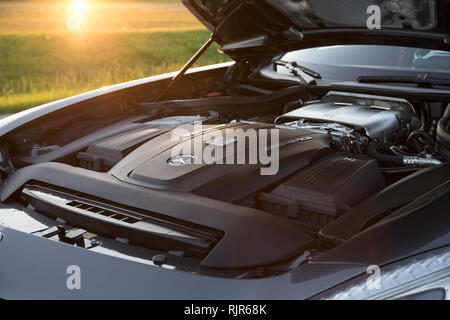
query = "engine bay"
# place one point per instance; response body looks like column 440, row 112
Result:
column 338, row 153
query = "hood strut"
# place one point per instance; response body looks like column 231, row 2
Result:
column 186, row 67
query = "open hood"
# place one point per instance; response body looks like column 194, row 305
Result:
column 247, row 28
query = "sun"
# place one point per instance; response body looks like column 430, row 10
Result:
column 76, row 11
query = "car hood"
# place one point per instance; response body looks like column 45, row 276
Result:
column 247, row 28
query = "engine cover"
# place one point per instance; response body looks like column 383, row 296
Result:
column 154, row 164
column 322, row 192
column 374, row 116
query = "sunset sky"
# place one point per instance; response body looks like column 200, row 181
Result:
column 95, row 16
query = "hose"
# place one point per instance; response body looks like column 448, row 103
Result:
column 415, row 134
column 443, row 134
column 397, row 151
column 400, row 170
column 375, row 149
column 445, row 121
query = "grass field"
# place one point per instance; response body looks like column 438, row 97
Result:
column 41, row 60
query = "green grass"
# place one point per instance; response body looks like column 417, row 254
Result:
column 41, row 61
column 35, row 69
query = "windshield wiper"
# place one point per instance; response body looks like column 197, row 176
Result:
column 422, row 80
column 299, row 70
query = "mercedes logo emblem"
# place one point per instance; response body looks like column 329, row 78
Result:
column 181, row 160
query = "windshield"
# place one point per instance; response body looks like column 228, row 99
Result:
column 376, row 57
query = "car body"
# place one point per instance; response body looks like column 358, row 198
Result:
column 104, row 195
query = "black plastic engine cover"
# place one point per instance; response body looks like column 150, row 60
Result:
column 322, row 192
column 105, row 154
column 150, row 166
